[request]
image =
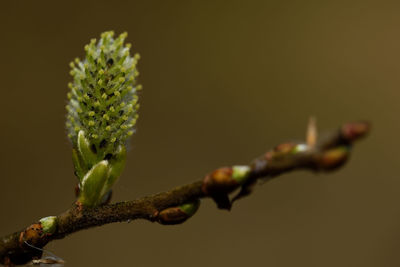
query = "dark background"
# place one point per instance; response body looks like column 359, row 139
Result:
column 223, row 82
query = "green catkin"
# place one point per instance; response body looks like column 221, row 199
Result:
column 102, row 112
column 103, row 91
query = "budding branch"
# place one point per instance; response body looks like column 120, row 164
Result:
column 322, row 154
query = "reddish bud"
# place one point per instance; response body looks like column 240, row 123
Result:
column 284, row 148
column 334, row 158
column 172, row 216
column 176, row 215
column 31, row 234
column 280, row 150
column 355, row 130
column 219, row 181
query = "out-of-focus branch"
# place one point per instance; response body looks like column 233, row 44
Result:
column 177, row 205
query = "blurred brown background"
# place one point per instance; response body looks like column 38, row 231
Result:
column 223, row 82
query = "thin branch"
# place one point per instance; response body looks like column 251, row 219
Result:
column 326, row 154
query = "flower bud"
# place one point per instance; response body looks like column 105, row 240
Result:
column 177, row 215
column 355, row 130
column 334, row 157
column 219, row 181
column 225, row 180
column 49, row 224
